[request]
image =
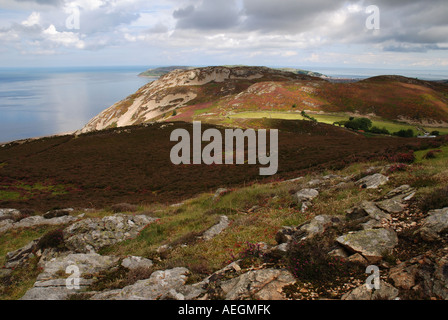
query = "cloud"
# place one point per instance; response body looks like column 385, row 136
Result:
column 208, row 15
column 44, row 2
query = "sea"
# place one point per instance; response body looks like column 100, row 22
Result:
column 36, row 102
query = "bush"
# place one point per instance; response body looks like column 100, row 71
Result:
column 403, row 157
column 431, row 154
column 309, row 261
column 404, row 133
column 435, row 133
column 379, row 131
column 53, row 239
column 398, row 167
column 437, row 199
column 359, row 124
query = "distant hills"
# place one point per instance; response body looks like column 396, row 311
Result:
column 214, row 94
column 158, row 72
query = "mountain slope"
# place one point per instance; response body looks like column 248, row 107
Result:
column 184, row 88
column 220, row 91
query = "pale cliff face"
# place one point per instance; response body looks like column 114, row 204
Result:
column 173, row 90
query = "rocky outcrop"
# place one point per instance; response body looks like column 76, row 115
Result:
column 314, row 227
column 434, row 225
column 89, row 235
column 35, row 221
column 372, row 244
column 265, row 284
column 52, row 283
column 216, row 229
column 161, row 284
column 386, row 292
column 305, row 197
column 133, row 263
column 373, row 181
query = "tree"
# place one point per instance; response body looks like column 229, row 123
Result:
column 404, row 133
column 359, row 124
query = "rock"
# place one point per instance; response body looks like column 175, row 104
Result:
column 434, row 225
column 306, row 195
column 426, row 274
column 220, row 192
column 391, row 205
column 6, row 225
column 90, row 235
column 58, row 213
column 331, row 177
column 265, row 284
column 279, row 250
column 132, row 263
column 216, row 229
column 284, row 235
column 371, row 243
column 161, row 284
column 373, row 181
column 314, row 183
column 401, row 193
column 358, row 259
column 51, row 284
column 319, row 224
column 35, row 221
column 371, row 224
column 9, row 212
column 440, row 284
column 18, row 257
column 404, row 275
column 338, row 253
column 373, row 211
column 386, row 292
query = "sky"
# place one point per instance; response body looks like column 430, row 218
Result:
column 398, row 34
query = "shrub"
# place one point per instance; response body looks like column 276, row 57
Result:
column 437, row 199
column 431, row 154
column 53, row 239
column 308, row 261
column 404, row 133
column 435, row 133
column 359, row 124
column 403, row 157
column 398, row 167
column 379, row 131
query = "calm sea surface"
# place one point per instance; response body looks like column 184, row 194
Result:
column 39, row 102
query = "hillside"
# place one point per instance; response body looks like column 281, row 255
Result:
column 213, row 94
column 158, row 72
column 133, row 164
column 307, row 238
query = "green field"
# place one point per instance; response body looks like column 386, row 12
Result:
column 330, row 119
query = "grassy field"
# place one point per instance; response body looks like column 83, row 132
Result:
column 332, row 118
